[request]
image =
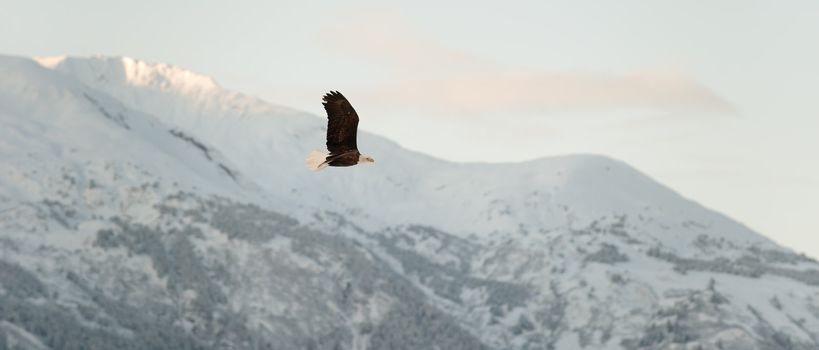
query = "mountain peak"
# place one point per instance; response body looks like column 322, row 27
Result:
column 129, row 71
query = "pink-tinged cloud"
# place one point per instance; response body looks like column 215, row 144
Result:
column 389, row 41
column 542, row 92
column 430, row 77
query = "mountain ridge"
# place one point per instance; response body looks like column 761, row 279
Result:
column 223, row 95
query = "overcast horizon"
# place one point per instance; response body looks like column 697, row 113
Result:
column 716, row 102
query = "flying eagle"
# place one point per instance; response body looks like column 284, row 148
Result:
column 342, row 126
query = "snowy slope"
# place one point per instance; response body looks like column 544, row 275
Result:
column 248, row 130
column 129, row 188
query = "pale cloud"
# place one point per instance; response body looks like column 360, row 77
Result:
column 432, row 78
column 389, row 40
column 494, row 92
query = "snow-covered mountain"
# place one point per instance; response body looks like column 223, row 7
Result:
column 143, row 206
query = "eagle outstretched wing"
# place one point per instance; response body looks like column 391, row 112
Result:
column 342, row 124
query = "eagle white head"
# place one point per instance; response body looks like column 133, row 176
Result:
column 365, row 159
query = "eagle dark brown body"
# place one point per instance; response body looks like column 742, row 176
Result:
column 346, row 159
column 342, row 129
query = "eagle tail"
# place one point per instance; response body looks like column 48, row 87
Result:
column 316, row 161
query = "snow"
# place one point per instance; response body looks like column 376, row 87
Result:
column 418, row 188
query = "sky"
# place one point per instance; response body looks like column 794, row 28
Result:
column 716, row 99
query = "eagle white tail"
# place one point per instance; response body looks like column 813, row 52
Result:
column 316, row 160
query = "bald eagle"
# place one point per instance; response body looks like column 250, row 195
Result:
column 342, row 127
